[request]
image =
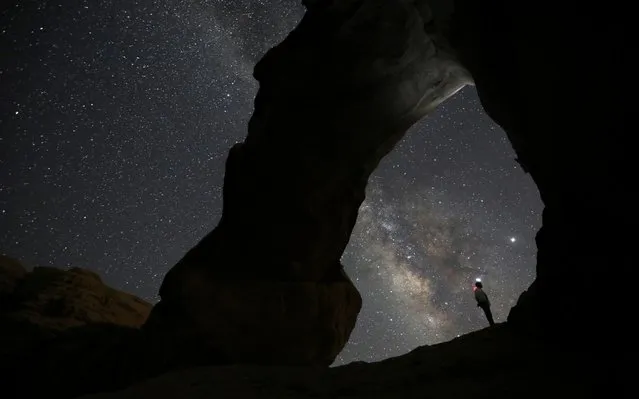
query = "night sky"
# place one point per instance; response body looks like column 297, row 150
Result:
column 115, row 121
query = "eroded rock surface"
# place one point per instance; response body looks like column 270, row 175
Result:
column 59, row 299
column 266, row 286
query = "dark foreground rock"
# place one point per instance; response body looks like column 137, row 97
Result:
column 64, row 333
column 336, row 96
column 45, row 302
column 491, row 363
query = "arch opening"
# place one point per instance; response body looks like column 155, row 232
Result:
column 361, row 77
column 448, row 205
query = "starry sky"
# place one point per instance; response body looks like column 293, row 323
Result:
column 115, row 121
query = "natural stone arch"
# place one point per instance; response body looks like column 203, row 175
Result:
column 334, row 98
column 266, row 285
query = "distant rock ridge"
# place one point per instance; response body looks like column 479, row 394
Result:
column 60, row 299
column 87, row 340
column 47, row 301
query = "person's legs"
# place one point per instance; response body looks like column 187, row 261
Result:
column 489, row 314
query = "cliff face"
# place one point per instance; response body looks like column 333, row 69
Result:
column 491, row 363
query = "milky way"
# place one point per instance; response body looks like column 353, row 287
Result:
column 115, row 121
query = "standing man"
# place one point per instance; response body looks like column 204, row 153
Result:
column 482, row 301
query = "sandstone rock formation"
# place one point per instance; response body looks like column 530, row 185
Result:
column 334, row 98
column 266, row 286
column 58, row 323
column 58, row 299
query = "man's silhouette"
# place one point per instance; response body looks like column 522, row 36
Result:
column 483, row 302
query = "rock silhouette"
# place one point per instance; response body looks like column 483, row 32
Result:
column 47, row 301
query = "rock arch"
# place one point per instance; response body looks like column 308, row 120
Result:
column 266, row 285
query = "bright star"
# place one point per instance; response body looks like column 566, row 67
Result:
column 513, row 239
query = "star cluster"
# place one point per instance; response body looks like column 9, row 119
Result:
column 115, row 120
